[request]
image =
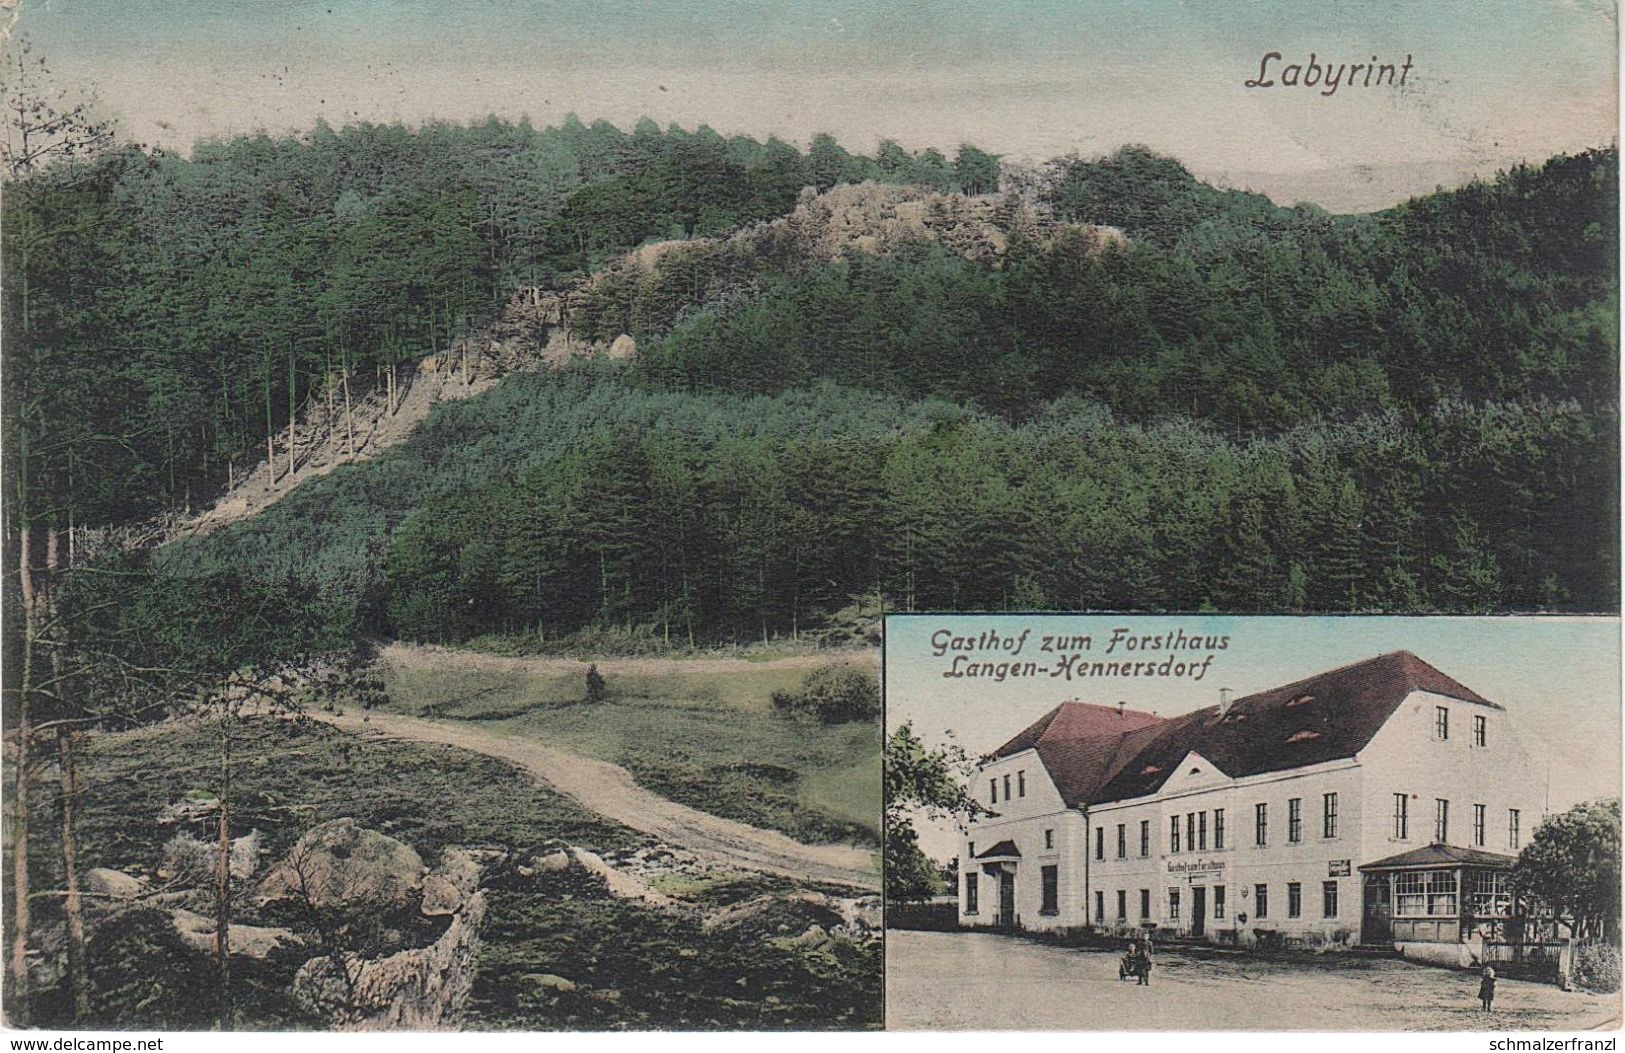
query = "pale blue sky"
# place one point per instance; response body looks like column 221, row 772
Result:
column 1559, row 679
column 1493, row 80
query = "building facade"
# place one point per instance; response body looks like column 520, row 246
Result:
column 1379, row 803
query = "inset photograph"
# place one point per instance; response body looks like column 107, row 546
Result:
column 1206, row 823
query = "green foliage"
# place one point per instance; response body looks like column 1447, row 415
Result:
column 910, row 874
column 167, row 314
column 1572, row 865
column 596, row 691
column 920, row 781
column 833, row 694
column 1597, row 966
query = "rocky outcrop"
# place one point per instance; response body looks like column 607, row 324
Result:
column 343, row 864
column 419, row 988
column 110, row 884
column 247, row 941
column 621, row 884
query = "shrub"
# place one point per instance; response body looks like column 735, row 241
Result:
column 833, row 694
column 1597, row 967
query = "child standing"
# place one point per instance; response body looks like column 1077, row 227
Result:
column 1486, row 988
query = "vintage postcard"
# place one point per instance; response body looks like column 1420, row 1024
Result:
column 458, row 461
column 1385, row 823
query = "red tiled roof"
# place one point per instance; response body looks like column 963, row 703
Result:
column 1092, row 755
column 1078, row 744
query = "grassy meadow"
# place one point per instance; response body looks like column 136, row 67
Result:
column 701, row 732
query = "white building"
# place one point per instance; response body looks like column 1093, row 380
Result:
column 1377, row 803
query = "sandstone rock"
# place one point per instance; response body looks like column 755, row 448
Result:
column 249, row 941
column 623, row 346
column 772, row 915
column 550, row 982
column 424, row 988
column 341, row 863
column 113, row 884
column 448, row 886
column 553, row 862
column 621, row 884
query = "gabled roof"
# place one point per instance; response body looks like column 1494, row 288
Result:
column 1077, row 743
column 1099, row 753
column 1436, row 855
column 1326, row 717
column 1002, row 850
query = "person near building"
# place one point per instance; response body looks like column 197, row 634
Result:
column 1486, row 988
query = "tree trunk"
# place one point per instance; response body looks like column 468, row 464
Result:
column 78, row 983
column 349, row 415
column 17, row 963
column 222, row 878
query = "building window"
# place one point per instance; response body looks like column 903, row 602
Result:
column 1480, row 731
column 1100, row 842
column 1145, row 838
column 1294, row 899
column 970, row 893
column 1512, row 828
column 1190, row 831
column 1007, row 787
column 1145, row 903
column 1261, row 901
column 1122, row 904
column 1441, row 723
column 1328, row 815
column 1122, row 841
column 1441, row 820
column 1218, row 901
column 1173, row 904
column 1218, row 829
column 1478, row 825
column 1425, row 894
column 970, row 850
column 1173, row 833
column 1294, row 820
column 1328, row 899
column 1100, row 907
column 993, row 791
column 1402, row 823
column 1021, row 784
column 1049, row 838
column 1491, row 896
column 1052, row 899
column 1261, row 824
column 1201, row 831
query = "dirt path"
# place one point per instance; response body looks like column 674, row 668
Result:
column 609, row 790
column 1041, row 987
column 428, row 656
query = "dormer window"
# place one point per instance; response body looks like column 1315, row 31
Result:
column 1303, row 736
column 1301, row 700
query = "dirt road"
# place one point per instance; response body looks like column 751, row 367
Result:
column 609, row 790
column 1042, row 987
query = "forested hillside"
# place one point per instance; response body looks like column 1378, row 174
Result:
column 1227, row 405
column 166, row 314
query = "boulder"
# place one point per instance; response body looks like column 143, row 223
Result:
column 549, row 981
column 248, row 941
column 773, row 916
column 623, row 346
column 113, row 884
column 424, row 988
column 621, row 884
column 343, row 864
column 552, row 862
column 448, row 886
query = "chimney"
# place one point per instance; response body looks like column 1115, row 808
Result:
column 1224, row 701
